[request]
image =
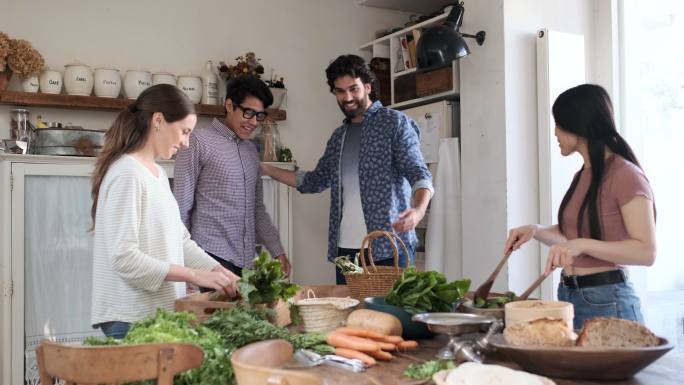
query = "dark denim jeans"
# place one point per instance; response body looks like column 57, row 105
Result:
column 115, row 329
column 613, row 300
column 339, row 277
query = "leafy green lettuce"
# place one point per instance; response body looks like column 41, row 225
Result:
column 426, row 291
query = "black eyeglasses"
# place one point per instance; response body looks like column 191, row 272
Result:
column 249, row 113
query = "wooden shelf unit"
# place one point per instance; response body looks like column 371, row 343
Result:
column 387, row 46
column 73, row 102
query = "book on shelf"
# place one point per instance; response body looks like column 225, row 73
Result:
column 411, row 49
column 406, row 57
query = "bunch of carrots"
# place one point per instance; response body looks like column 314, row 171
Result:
column 367, row 345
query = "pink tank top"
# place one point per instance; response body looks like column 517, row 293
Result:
column 622, row 182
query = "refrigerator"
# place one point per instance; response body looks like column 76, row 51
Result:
column 439, row 233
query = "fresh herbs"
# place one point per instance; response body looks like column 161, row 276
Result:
column 495, row 302
column 425, row 370
column 266, row 282
column 347, row 266
column 426, row 291
column 168, row 327
column 240, row 326
column 223, row 333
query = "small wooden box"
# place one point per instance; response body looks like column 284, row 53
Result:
column 434, row 82
column 405, row 88
column 203, row 304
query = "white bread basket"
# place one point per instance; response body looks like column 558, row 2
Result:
column 324, row 314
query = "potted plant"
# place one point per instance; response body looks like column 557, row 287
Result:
column 250, row 64
column 18, row 56
column 277, row 86
column 5, row 71
column 247, row 64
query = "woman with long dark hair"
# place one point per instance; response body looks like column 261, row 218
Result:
column 143, row 254
column 607, row 217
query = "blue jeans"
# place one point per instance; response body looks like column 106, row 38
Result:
column 115, row 329
column 614, row 300
column 339, row 277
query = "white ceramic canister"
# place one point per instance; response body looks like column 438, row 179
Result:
column 107, row 82
column 78, row 79
column 29, row 84
column 136, row 82
column 163, row 78
column 192, row 86
column 51, row 82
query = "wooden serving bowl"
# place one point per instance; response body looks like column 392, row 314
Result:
column 582, row 362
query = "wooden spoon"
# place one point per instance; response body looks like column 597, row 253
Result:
column 483, row 290
column 534, row 285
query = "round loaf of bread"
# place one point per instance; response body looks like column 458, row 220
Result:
column 542, row 332
column 604, row 332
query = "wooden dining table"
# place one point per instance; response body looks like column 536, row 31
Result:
column 667, row 370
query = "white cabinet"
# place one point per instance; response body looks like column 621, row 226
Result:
column 46, row 254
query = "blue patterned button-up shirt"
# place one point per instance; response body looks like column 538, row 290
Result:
column 391, row 168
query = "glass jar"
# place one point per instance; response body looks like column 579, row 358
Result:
column 268, row 141
column 20, row 128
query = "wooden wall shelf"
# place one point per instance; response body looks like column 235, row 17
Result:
column 74, row 102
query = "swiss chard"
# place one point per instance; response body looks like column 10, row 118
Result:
column 265, row 283
column 426, row 291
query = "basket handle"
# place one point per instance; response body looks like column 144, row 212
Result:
column 310, row 293
column 367, row 241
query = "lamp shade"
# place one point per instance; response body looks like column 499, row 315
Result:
column 439, row 46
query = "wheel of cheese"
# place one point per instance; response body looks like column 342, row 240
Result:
column 526, row 311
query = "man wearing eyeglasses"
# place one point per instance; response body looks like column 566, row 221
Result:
column 373, row 166
column 218, row 186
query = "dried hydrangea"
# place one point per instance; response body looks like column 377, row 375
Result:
column 4, row 50
column 24, row 59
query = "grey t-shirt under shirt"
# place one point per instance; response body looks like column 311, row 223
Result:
column 353, row 226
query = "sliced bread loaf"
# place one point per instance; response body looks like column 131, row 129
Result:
column 604, row 332
column 541, row 332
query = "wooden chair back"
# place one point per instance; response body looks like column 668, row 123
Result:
column 260, row 364
column 85, row 365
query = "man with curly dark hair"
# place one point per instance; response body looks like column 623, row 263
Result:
column 218, row 186
column 373, row 166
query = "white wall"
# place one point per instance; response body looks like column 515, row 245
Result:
column 499, row 124
column 298, row 38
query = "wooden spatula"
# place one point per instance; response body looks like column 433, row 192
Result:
column 483, row 290
column 534, row 285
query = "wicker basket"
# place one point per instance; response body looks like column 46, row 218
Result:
column 375, row 281
column 324, row 314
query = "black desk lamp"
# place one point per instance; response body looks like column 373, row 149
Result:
column 439, row 45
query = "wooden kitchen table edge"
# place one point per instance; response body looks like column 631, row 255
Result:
column 667, row 370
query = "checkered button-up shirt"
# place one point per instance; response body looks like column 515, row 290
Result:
column 219, row 193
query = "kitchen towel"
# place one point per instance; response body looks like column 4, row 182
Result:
column 443, row 234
